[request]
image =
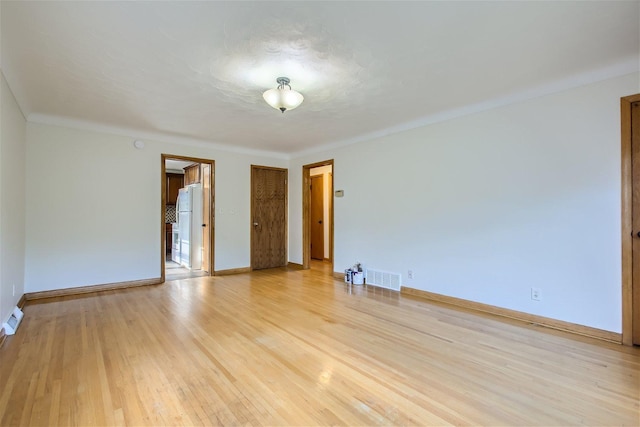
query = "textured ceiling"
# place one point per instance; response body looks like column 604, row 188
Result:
column 198, row 69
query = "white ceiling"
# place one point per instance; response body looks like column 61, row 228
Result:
column 198, row 69
column 176, row 165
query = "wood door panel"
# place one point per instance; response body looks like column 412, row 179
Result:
column 317, row 217
column 206, row 216
column 269, row 205
column 635, row 214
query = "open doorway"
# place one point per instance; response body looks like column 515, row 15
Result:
column 317, row 216
column 187, row 217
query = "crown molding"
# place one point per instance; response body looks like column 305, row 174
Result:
column 622, row 68
column 67, row 122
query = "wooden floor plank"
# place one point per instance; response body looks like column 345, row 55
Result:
column 297, row 347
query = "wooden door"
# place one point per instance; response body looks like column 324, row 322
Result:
column 317, row 217
column 269, row 217
column 206, row 216
column 635, row 212
column 329, row 218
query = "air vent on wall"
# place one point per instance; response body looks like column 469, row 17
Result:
column 384, row 279
column 12, row 324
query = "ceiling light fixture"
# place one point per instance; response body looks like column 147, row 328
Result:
column 283, row 98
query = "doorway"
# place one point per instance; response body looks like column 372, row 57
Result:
column 630, row 149
column 187, row 217
column 268, row 217
column 317, row 215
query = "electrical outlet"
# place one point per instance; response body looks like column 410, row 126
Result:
column 536, row 294
column 410, row 274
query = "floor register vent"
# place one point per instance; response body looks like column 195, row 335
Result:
column 384, row 279
column 12, row 324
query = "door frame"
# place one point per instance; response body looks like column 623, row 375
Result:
column 306, row 212
column 163, row 208
column 286, row 211
column 626, row 220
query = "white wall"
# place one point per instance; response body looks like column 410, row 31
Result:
column 486, row 206
column 12, row 201
column 482, row 207
column 99, row 220
column 325, row 171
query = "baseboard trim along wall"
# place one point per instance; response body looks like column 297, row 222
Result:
column 232, row 271
column 22, row 301
column 92, row 288
column 517, row 315
column 3, row 336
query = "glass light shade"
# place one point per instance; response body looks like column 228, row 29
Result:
column 283, row 99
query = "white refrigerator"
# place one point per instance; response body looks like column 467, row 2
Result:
column 189, row 216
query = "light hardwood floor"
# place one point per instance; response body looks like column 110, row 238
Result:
column 296, row 347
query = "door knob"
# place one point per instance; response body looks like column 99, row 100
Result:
column 255, row 224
